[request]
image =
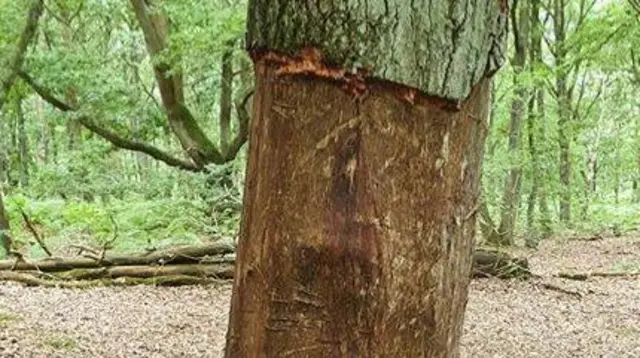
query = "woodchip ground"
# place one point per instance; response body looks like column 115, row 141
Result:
column 543, row 317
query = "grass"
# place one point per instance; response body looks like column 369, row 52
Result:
column 60, row 342
column 7, row 317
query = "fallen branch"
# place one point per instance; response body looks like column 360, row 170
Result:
column 491, row 263
column 35, row 233
column 587, row 275
column 552, row 287
column 178, row 280
column 184, row 265
column 176, row 255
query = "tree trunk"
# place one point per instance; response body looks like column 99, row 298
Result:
column 545, row 215
column 511, row 194
column 14, row 64
column 537, row 138
column 564, row 108
column 531, row 239
column 23, row 145
column 379, row 190
column 5, row 237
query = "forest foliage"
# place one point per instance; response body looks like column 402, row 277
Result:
column 130, row 118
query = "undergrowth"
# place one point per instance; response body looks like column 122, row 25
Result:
column 135, row 223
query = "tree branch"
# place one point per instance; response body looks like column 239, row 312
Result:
column 226, row 93
column 29, row 31
column 136, row 146
column 243, row 127
column 110, row 136
column 155, row 27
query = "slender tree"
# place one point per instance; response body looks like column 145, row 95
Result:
column 10, row 71
column 5, row 238
column 365, row 151
column 520, row 23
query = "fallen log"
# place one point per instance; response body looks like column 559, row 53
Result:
column 31, row 280
column 187, row 265
column 486, row 263
column 175, row 255
column 219, row 271
column 185, row 274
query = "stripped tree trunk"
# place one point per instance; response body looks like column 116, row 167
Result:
column 361, row 191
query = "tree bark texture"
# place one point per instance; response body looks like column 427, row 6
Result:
column 440, row 47
column 359, row 211
column 377, row 194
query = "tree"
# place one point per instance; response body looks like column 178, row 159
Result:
column 5, row 236
column 520, row 23
column 169, row 73
column 8, row 77
column 7, row 80
column 363, row 176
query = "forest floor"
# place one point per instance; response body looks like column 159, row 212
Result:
column 599, row 317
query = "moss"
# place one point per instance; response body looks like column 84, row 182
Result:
column 8, row 317
column 61, row 342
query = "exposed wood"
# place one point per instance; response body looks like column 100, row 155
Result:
column 363, row 176
column 337, row 208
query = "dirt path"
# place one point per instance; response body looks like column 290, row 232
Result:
column 504, row 318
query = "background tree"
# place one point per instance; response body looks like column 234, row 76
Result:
column 578, row 72
column 520, row 21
